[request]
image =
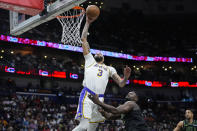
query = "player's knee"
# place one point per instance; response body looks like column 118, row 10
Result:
column 92, row 126
column 81, row 127
column 84, row 126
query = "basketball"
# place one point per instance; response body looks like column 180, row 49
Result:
column 92, row 12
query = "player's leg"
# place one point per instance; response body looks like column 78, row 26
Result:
column 96, row 118
column 83, row 125
column 84, row 112
column 92, row 126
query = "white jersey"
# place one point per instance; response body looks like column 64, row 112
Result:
column 96, row 75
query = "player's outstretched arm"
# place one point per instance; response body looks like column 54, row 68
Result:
column 122, row 82
column 179, row 126
column 126, row 107
column 109, row 116
column 85, row 44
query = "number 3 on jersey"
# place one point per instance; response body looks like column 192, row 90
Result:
column 100, row 73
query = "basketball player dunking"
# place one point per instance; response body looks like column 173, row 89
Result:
column 96, row 77
column 189, row 124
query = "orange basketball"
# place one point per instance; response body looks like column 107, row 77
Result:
column 92, row 12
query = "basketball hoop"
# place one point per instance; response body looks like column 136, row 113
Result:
column 71, row 23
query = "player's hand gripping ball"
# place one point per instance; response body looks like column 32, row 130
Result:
column 92, row 12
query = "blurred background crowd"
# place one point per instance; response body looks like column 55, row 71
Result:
column 27, row 59
column 40, row 108
column 20, row 111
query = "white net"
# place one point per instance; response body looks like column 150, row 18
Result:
column 71, row 23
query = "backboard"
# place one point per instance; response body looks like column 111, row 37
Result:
column 19, row 25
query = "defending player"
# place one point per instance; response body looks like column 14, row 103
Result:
column 130, row 112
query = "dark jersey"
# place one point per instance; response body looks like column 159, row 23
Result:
column 134, row 121
column 189, row 126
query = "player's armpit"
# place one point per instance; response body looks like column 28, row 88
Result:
column 179, row 126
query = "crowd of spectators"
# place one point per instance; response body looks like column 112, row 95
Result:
column 75, row 63
column 34, row 112
column 141, row 35
column 35, row 61
column 44, row 113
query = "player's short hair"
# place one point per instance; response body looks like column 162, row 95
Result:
column 192, row 110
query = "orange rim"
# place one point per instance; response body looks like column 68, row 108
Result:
column 74, row 16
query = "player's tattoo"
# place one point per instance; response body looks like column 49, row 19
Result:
column 85, row 31
column 119, row 81
column 115, row 77
column 86, row 44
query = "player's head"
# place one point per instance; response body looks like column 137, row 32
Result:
column 189, row 114
column 99, row 58
column 132, row 96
